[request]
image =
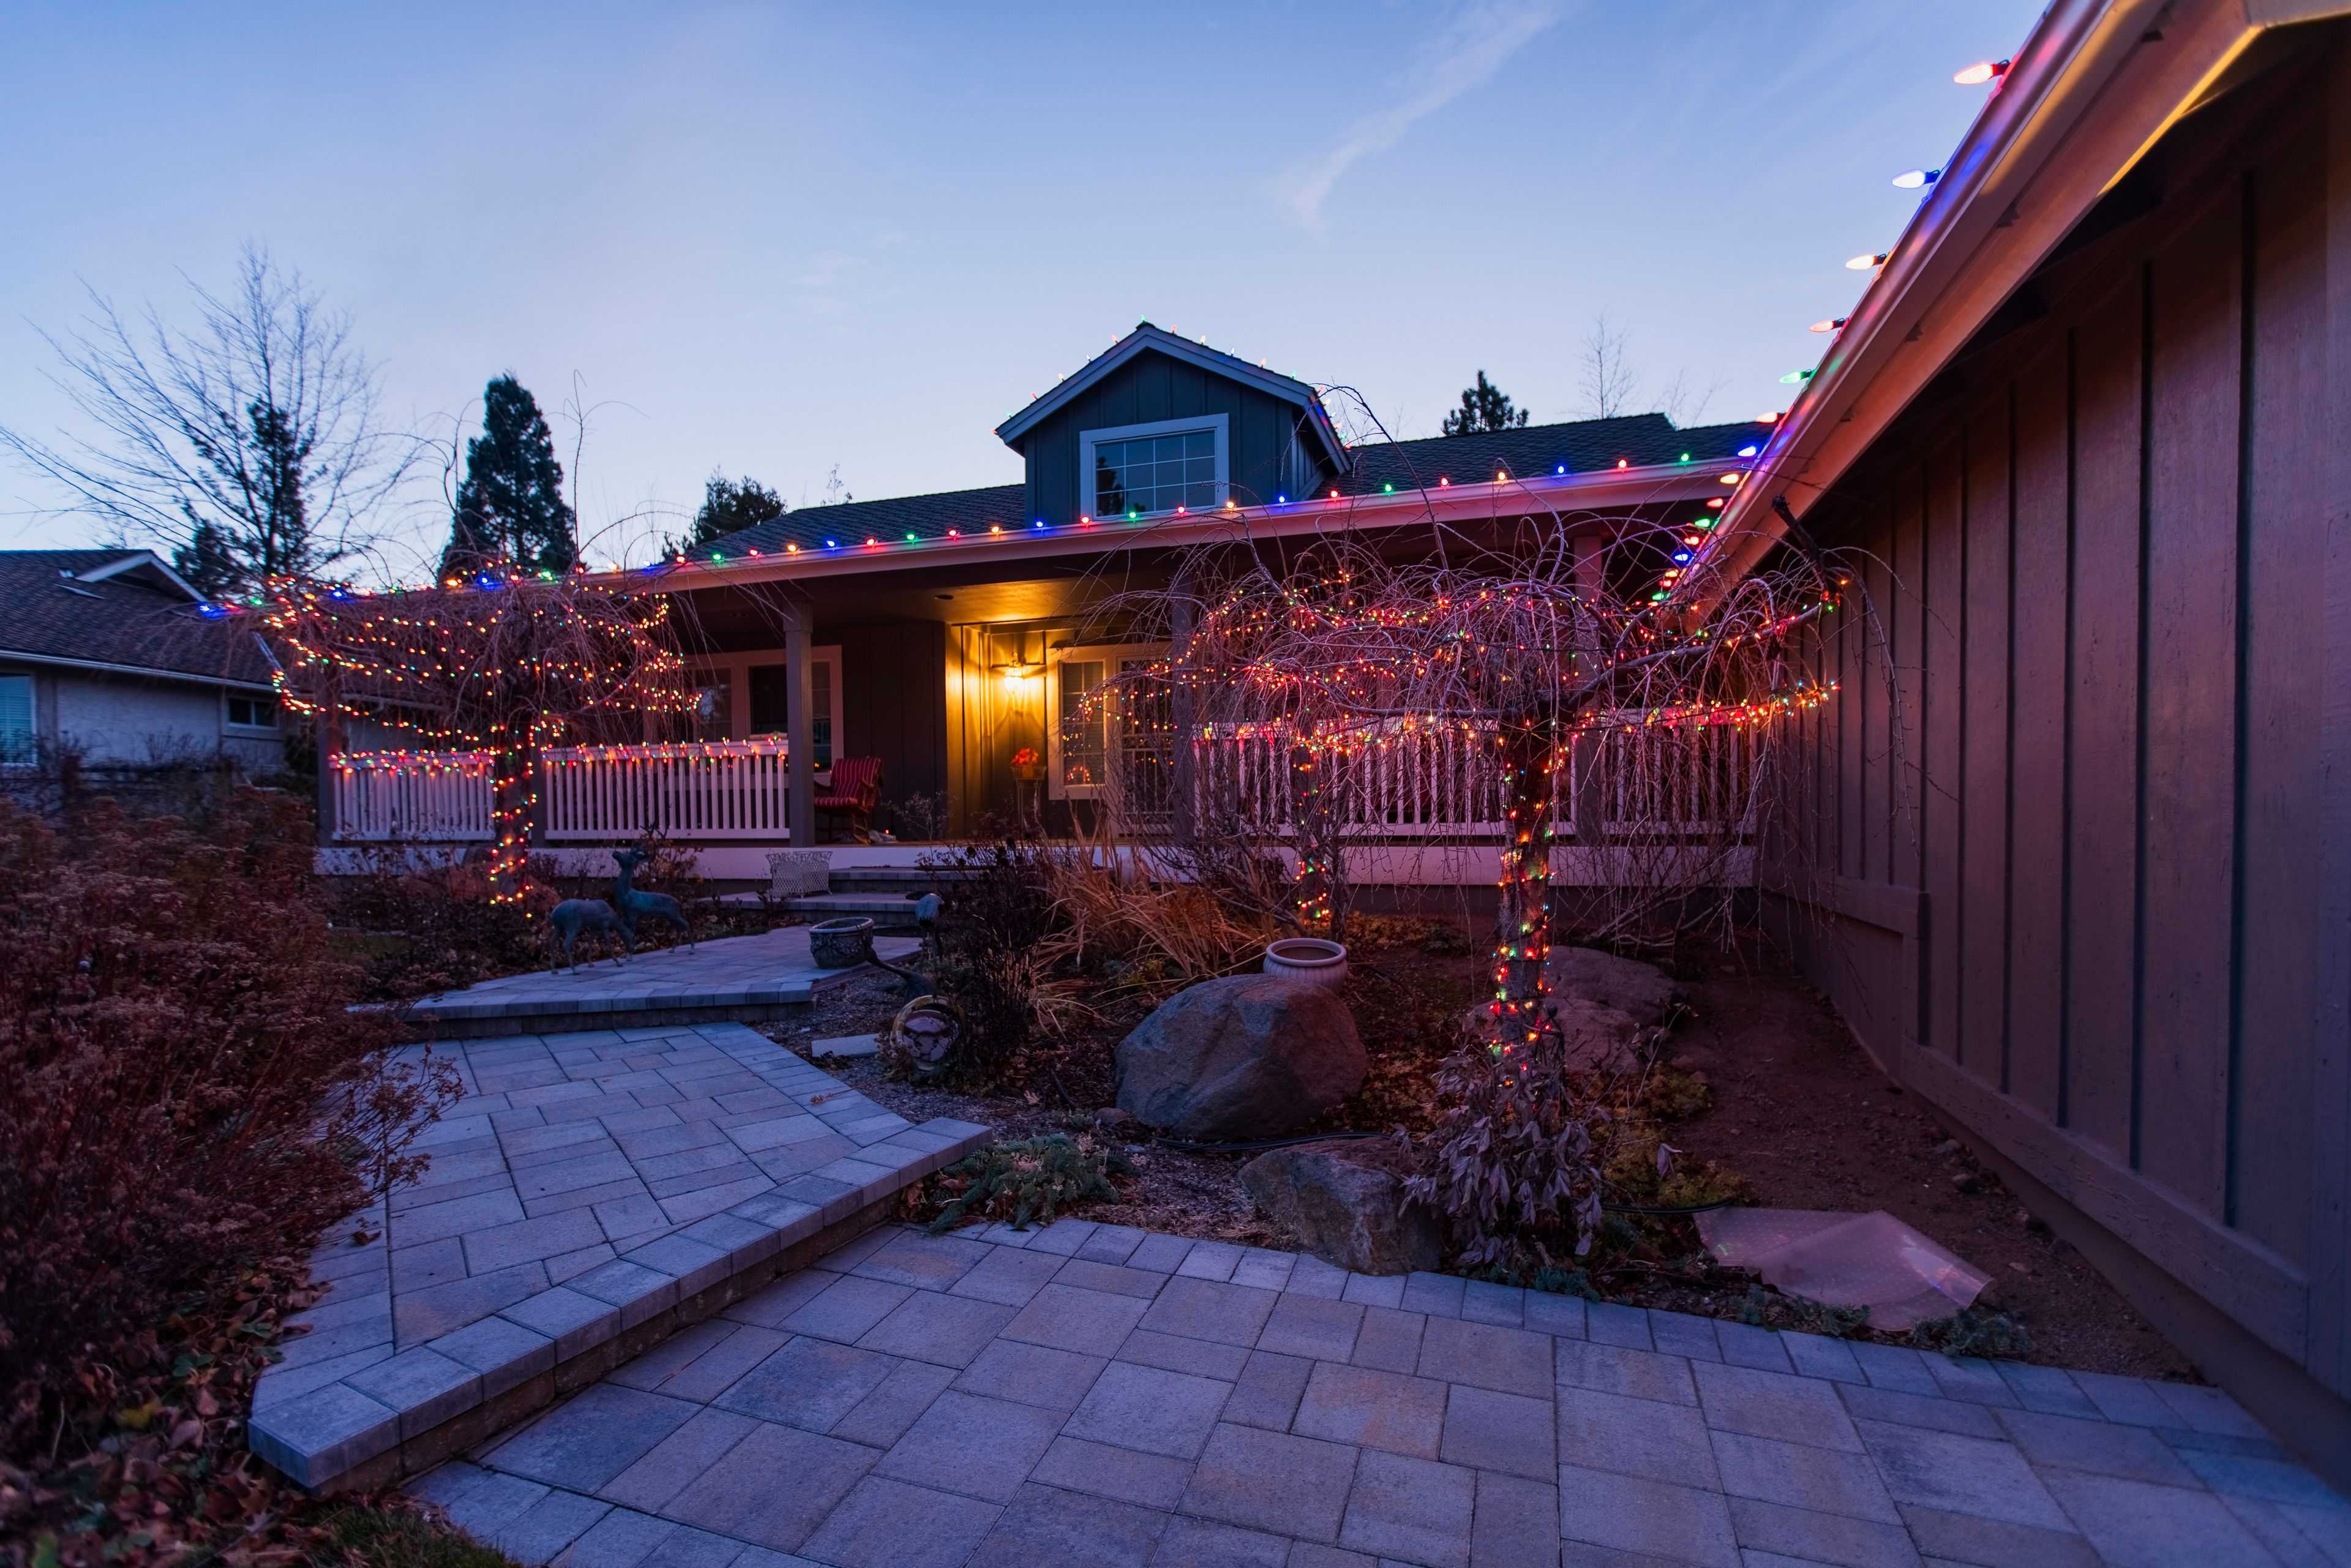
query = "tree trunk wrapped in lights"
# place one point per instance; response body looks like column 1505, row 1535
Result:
column 508, row 662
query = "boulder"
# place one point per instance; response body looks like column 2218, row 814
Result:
column 1344, row 1201
column 1597, row 1038
column 1248, row 1056
column 1641, row 992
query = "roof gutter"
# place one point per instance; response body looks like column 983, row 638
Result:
column 1594, row 490
column 146, row 672
column 2092, row 91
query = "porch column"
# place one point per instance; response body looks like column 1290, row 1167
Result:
column 800, row 729
column 1184, row 817
column 1586, row 777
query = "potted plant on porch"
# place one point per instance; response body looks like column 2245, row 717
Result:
column 1027, row 766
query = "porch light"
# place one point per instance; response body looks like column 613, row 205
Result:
column 1018, row 671
column 1864, row 263
column 1915, row 179
column 1981, row 72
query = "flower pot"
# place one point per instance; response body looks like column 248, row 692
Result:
column 1308, row 958
column 842, row 943
column 1027, row 772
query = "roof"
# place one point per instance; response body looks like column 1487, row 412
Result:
column 1147, row 338
column 121, row 608
column 1639, row 441
column 2088, row 95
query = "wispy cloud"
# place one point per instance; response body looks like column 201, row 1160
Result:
column 1473, row 46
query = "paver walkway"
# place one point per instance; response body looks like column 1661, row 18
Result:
column 1089, row 1394
column 587, row 1181
column 769, row 970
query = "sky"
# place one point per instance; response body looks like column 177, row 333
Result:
column 797, row 241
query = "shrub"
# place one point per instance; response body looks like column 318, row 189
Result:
column 1971, row 1332
column 1029, row 1180
column 173, row 1037
column 1514, row 1167
column 419, row 929
column 985, row 961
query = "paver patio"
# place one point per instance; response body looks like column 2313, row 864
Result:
column 1094, row 1394
column 729, row 978
column 586, row 1182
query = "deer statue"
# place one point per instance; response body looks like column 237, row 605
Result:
column 633, row 905
column 576, row 917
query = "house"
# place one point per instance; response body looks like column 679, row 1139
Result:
column 108, row 656
column 2077, row 865
column 942, row 632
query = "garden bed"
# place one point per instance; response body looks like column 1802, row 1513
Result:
column 1799, row 1118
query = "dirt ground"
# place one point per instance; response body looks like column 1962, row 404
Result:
column 1798, row 1111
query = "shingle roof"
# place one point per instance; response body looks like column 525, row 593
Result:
column 1642, row 440
column 117, row 619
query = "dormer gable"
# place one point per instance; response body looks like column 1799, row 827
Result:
column 1159, row 426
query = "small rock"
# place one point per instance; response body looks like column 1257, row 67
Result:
column 1947, row 1147
column 1112, row 1116
column 1344, row 1201
column 1966, row 1181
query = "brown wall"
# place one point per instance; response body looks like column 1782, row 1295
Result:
column 2062, row 860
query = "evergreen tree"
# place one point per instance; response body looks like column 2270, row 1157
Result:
column 511, row 505
column 1484, row 407
column 730, row 506
column 209, row 562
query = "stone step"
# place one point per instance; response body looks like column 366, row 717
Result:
column 886, row 910
column 897, row 878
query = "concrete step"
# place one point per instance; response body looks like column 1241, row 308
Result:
column 885, row 909
column 896, row 878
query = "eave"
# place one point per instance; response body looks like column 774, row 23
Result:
column 144, row 672
column 1600, row 490
column 2094, row 87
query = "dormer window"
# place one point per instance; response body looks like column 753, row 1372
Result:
column 1148, row 470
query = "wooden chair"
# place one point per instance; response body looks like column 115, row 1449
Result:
column 855, row 791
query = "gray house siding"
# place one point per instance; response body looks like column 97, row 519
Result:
column 1264, row 459
column 2063, row 846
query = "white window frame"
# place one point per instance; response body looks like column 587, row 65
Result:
column 1110, row 655
column 1219, row 423
column 230, row 725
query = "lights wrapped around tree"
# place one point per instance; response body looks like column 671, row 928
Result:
column 507, row 662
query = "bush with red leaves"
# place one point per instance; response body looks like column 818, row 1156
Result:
column 178, row 1078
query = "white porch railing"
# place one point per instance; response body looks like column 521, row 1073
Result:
column 1418, row 784
column 440, row 797
column 716, row 789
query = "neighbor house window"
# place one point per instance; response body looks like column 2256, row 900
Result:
column 252, row 713
column 1139, row 470
column 17, row 742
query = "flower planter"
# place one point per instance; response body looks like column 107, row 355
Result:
column 1308, row 958
column 1029, row 772
column 842, row 943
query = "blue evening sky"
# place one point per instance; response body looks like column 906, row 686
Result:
column 777, row 239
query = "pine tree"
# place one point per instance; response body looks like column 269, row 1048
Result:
column 209, row 562
column 730, row 506
column 1484, row 407
column 511, row 505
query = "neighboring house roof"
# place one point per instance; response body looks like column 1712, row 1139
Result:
column 118, row 609
column 1147, row 339
column 1639, row 441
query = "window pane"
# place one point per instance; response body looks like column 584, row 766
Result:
column 1200, row 470
column 1200, row 443
column 1081, row 723
column 16, row 718
column 1199, row 496
column 1169, row 448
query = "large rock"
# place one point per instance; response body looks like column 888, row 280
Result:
column 1345, row 1202
column 1640, row 991
column 1595, row 1037
column 1248, row 1056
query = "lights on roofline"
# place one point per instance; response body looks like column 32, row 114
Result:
column 1796, row 378
column 1749, row 450
column 1981, row 72
column 1917, row 179
column 1864, row 263
column 1831, row 325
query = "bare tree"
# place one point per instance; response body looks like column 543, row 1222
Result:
column 250, row 446
column 1606, row 376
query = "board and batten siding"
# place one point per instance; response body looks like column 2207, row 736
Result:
column 2069, row 853
column 1264, row 458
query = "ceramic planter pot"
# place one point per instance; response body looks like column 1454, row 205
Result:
column 1308, row 958
column 842, row 943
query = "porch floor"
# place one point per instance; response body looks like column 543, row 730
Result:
column 588, row 1184
column 730, row 979
column 1097, row 1395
